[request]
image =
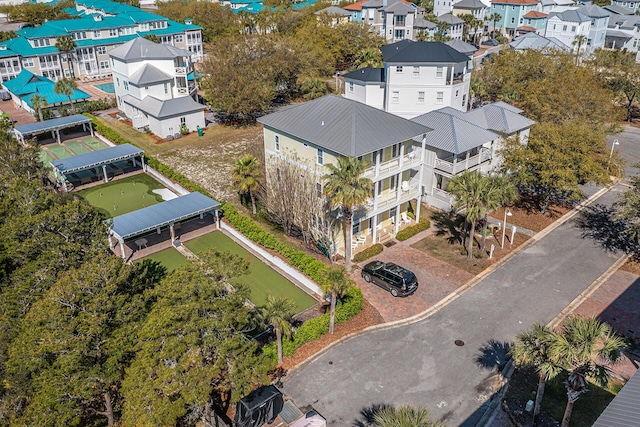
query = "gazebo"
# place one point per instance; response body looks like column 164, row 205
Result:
column 54, row 126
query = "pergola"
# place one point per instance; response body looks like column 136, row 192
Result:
column 154, row 218
column 95, row 159
column 53, row 126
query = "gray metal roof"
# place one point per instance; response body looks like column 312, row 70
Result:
column 164, row 108
column 422, row 23
column 148, row 74
column 334, row 10
column 624, row 409
column 497, row 118
column 570, row 15
column 593, row 11
column 469, row 4
column 450, row 19
column 343, row 126
column 618, row 10
column 53, row 124
column 462, row 47
column 407, row 51
column 96, row 158
column 618, row 34
column 537, row 42
column 141, row 48
column 398, row 8
column 452, row 133
column 150, row 218
column 367, row 74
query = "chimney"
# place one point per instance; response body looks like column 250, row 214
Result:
column 97, row 17
column 188, row 21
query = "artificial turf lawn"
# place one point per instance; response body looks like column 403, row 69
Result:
column 169, row 258
column 77, row 147
column 59, row 151
column 262, row 280
column 123, row 196
column 45, row 158
column 95, row 144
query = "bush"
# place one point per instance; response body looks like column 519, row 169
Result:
column 350, row 305
column 87, row 106
column 368, row 253
column 412, row 230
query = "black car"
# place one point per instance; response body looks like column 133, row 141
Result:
column 491, row 42
column 397, row 280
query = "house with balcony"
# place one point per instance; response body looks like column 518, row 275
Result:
column 632, row 6
column 466, row 141
column 512, row 13
column 153, row 89
column 417, row 77
column 598, row 28
column 623, row 32
column 533, row 22
column 316, row 133
column 566, row 26
column 101, row 26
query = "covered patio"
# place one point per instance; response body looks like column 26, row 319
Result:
column 67, row 170
column 150, row 221
column 54, row 126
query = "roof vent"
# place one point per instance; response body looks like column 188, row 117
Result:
column 97, row 17
column 322, row 123
column 3, row 47
column 188, row 21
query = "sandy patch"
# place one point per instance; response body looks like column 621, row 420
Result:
column 166, row 194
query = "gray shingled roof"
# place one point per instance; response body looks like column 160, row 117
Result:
column 624, row 409
column 537, row 42
column 469, row 4
column 462, row 47
column 367, row 74
column 148, row 74
column 593, row 11
column 150, row 218
column 450, row 19
column 398, row 8
column 334, row 10
column 624, row 21
column 407, row 51
column 343, row 126
column 167, row 108
column 452, row 133
column 570, row 16
column 141, row 48
column 422, row 23
column 497, row 118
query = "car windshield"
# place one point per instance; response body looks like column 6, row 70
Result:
column 410, row 278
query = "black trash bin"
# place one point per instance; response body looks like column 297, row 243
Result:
column 260, row 407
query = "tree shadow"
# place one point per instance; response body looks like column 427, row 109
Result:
column 366, row 415
column 599, row 223
column 493, row 355
column 448, row 224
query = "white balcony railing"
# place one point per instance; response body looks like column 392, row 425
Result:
column 470, row 163
column 181, row 70
column 442, row 195
column 386, row 168
column 408, row 191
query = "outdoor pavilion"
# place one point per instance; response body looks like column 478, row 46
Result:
column 156, row 217
column 96, row 159
column 54, row 126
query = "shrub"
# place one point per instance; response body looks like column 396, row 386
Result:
column 368, row 253
column 412, row 230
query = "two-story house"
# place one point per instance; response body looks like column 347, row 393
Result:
column 455, row 25
column 548, row 6
column 466, row 141
column 598, row 28
column 478, row 9
column 512, row 13
column 417, row 77
column 566, row 26
column 533, row 22
column 623, row 32
column 317, row 133
column 152, row 87
column 631, row 5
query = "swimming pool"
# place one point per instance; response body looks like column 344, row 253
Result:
column 107, row 87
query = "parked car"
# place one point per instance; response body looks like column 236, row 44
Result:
column 491, row 42
column 395, row 279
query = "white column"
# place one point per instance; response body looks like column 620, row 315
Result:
column 419, row 199
column 375, row 195
column 374, row 228
column 172, row 232
column 58, row 135
column 396, row 221
column 144, row 167
column 104, row 172
column 398, row 186
column 124, row 256
column 402, row 149
column 377, row 163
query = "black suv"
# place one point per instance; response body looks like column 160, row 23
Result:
column 397, row 280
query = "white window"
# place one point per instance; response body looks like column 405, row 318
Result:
column 126, row 84
column 395, row 97
column 564, row 28
column 420, row 97
column 178, row 38
column 27, row 62
column 439, row 97
column 350, row 86
column 166, row 88
column 464, row 100
column 439, row 70
column 320, row 156
column 416, row 72
column 398, row 68
column 276, row 139
column 573, row 28
column 104, row 65
column 118, row 81
column 183, row 121
column 97, row 34
column 101, row 50
column 113, row 32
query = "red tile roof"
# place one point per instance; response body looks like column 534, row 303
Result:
column 515, row 1
column 535, row 14
column 525, row 28
column 354, row 6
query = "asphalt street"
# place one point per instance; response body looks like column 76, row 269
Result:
column 628, row 148
column 422, row 364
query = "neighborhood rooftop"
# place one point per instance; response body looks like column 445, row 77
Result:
column 421, row 52
column 141, row 48
column 344, row 126
column 96, row 158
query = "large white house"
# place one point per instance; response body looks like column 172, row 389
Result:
column 567, row 26
column 417, row 77
column 153, row 88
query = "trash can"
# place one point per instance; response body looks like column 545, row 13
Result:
column 200, row 131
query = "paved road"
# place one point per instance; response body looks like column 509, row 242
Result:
column 629, row 148
column 421, row 364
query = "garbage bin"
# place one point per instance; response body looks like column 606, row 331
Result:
column 200, row 131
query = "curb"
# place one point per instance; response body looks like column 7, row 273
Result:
column 458, row 292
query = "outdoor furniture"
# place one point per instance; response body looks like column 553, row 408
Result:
column 405, row 218
column 141, row 242
column 361, row 239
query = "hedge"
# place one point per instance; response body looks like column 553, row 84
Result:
column 368, row 253
column 313, row 329
column 412, row 230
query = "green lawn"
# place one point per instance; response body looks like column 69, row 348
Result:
column 59, row 151
column 170, row 258
column 95, row 144
column 262, row 279
column 45, row 158
column 77, row 147
column 124, row 196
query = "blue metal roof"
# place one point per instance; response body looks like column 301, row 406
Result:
column 150, row 218
column 47, row 125
column 96, row 158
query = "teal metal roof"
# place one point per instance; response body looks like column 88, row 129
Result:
column 26, row 84
column 52, row 97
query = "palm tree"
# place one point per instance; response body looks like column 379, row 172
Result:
column 247, row 176
column 587, row 348
column 66, row 45
column 347, row 189
column 368, row 57
column 404, row 416
column 577, row 42
column 66, row 87
column 336, row 283
column 532, row 348
column 499, row 191
column 495, row 17
column 277, row 312
column 468, row 25
column 468, row 189
column 38, row 102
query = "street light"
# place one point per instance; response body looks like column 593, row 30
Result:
column 615, row 142
column 507, row 212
